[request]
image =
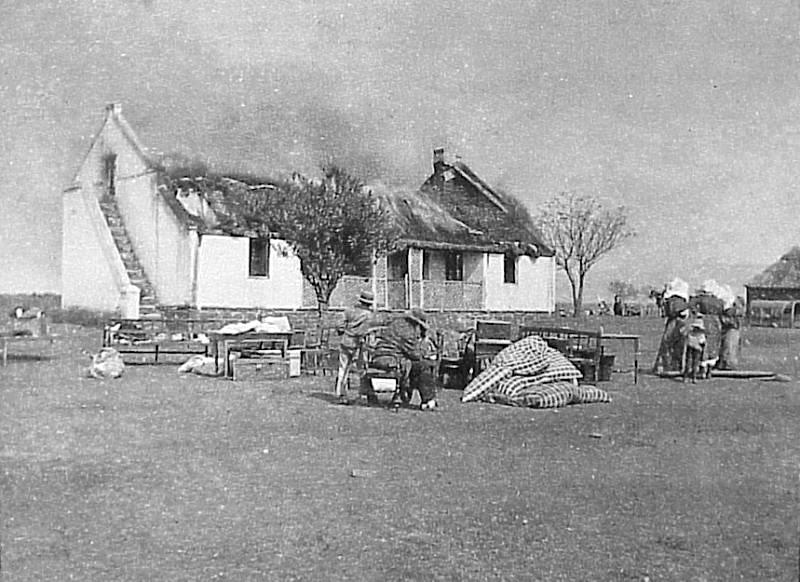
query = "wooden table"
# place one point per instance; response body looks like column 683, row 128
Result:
column 223, row 343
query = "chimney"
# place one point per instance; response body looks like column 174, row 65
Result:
column 438, row 160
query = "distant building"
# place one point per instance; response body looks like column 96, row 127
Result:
column 137, row 238
column 772, row 296
column 780, row 281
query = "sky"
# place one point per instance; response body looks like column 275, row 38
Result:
column 686, row 113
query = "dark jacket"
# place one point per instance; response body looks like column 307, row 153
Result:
column 400, row 338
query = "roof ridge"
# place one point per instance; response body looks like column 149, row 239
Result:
column 482, row 186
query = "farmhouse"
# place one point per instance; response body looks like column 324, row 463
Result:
column 466, row 248
column 138, row 237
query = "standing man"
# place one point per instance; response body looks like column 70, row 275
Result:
column 618, row 307
column 400, row 343
column 358, row 320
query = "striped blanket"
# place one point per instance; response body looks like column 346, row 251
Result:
column 530, row 373
column 553, row 395
column 528, row 361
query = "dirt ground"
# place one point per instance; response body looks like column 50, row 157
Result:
column 158, row 476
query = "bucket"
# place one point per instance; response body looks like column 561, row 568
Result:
column 450, row 373
column 294, row 363
column 606, row 366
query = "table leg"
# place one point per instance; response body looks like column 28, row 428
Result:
column 226, row 365
column 216, row 356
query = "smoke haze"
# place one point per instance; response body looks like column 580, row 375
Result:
column 685, row 112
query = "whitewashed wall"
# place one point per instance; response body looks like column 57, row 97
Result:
column 223, row 280
column 163, row 244
column 533, row 291
column 90, row 277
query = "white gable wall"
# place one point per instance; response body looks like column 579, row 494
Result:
column 163, row 245
column 223, row 276
column 111, row 140
column 533, row 291
column 92, row 273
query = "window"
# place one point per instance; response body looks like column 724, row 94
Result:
column 454, row 266
column 259, row 257
column 110, row 173
column 362, row 266
column 398, row 265
column 426, row 265
column 509, row 268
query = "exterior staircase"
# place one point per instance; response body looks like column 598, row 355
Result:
column 148, row 302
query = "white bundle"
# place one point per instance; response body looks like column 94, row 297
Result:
column 722, row 292
column 202, row 365
column 677, row 287
column 107, row 363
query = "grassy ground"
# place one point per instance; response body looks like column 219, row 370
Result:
column 161, row 477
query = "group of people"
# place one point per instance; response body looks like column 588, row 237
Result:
column 701, row 331
column 403, row 344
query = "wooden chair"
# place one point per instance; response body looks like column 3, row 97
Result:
column 315, row 355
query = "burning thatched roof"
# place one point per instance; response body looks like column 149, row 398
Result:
column 503, row 219
column 207, row 201
column 424, row 222
column 785, row 273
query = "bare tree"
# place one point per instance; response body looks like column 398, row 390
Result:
column 581, row 231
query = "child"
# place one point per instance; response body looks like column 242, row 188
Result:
column 694, row 347
column 429, row 353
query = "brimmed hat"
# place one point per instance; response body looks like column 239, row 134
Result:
column 366, row 298
column 418, row 316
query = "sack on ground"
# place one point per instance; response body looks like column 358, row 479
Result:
column 199, row 364
column 107, row 363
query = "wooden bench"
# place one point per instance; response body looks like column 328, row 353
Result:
column 24, row 330
column 159, row 337
column 584, row 348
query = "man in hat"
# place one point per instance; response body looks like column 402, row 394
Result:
column 357, row 323
column 400, row 343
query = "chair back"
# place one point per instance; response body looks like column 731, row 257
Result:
column 297, row 340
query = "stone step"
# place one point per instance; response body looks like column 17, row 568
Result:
column 148, row 302
column 130, row 258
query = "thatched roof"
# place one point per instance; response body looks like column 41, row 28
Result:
column 419, row 218
column 784, row 273
column 502, row 219
column 204, row 199
column 425, row 223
